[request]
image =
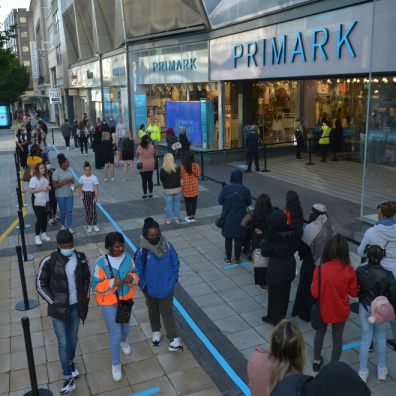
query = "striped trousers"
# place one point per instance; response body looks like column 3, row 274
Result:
column 90, row 207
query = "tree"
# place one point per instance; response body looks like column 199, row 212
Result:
column 14, row 78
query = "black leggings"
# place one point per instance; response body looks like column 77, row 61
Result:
column 278, row 301
column 191, row 205
column 41, row 215
column 84, row 144
column 238, row 242
column 337, row 332
column 147, row 179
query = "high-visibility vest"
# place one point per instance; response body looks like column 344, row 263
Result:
column 325, row 136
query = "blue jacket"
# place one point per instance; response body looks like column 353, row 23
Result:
column 234, row 198
column 160, row 275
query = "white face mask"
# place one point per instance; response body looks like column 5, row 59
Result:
column 48, row 166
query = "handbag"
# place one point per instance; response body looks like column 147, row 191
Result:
column 124, row 307
column 247, row 219
column 139, row 165
column 259, row 261
column 316, row 321
column 42, row 202
column 26, row 174
column 219, row 222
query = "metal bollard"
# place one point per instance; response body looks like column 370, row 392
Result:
column 265, row 159
column 310, row 152
column 52, row 133
column 30, row 358
column 26, row 304
column 26, row 256
column 202, row 166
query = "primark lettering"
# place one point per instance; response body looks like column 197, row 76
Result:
column 175, row 65
column 289, row 48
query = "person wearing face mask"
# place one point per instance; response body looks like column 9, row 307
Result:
column 158, row 268
column 39, row 188
column 114, row 280
column 63, row 280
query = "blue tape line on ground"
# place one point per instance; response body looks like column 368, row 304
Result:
column 351, row 345
column 230, row 266
column 211, row 348
column 246, row 263
column 147, row 392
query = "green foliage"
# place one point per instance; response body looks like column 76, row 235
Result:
column 14, row 78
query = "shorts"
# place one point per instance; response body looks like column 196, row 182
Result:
column 109, row 160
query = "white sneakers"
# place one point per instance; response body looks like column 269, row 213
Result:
column 382, row 374
column 37, row 240
column 96, row 228
column 175, row 345
column 89, row 229
column 125, row 348
column 156, row 338
column 68, row 386
column 71, row 230
column 363, row 375
column 116, row 372
column 45, row 237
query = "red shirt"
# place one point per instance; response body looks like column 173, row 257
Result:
column 338, row 282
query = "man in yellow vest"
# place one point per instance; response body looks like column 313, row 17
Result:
column 154, row 131
column 324, row 140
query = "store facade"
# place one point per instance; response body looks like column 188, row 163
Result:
column 170, row 85
column 337, row 64
column 85, row 88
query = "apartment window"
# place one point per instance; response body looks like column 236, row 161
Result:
column 25, row 48
column 26, row 63
column 56, row 21
column 58, row 55
column 24, row 34
column 22, row 19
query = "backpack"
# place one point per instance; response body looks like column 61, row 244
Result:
column 291, row 385
column 82, row 133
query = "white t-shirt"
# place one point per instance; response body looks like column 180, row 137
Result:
column 71, row 278
column 121, row 130
column 88, row 182
column 42, row 182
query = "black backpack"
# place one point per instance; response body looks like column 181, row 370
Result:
column 291, row 385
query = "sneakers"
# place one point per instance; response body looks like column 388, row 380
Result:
column 68, row 386
column 96, row 228
column 37, row 240
column 168, row 222
column 144, row 196
column 71, row 230
column 150, row 196
column 74, row 369
column 44, row 237
column 187, row 219
column 177, row 221
column 89, row 229
column 63, row 228
column 192, row 219
column 175, row 345
column 112, row 179
column 382, row 373
column 363, row 375
column 116, row 372
column 156, row 338
column 51, row 221
column 125, row 348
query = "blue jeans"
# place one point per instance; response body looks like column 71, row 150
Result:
column 368, row 330
column 66, row 332
column 118, row 331
column 172, row 205
column 66, row 210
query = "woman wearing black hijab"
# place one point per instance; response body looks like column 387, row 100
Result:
column 279, row 246
column 293, row 211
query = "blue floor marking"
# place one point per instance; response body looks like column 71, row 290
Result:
column 243, row 264
column 209, row 346
column 147, row 392
column 242, row 166
column 351, row 345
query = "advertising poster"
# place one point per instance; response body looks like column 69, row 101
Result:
column 5, row 121
column 185, row 114
column 140, row 110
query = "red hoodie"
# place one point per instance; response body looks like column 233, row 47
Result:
column 338, row 281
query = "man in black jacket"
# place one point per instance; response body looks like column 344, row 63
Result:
column 63, row 280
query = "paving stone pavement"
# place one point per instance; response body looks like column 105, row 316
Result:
column 224, row 301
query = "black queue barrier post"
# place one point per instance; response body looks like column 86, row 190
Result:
column 52, row 133
column 26, row 256
column 26, row 304
column 35, row 391
column 18, row 170
column 157, row 170
column 202, row 166
column 265, row 159
column 310, row 152
column 20, row 206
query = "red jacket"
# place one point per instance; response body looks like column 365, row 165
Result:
column 338, row 281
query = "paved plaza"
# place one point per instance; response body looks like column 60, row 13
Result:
column 221, row 301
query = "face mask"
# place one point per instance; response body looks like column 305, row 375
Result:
column 117, row 253
column 67, row 252
column 154, row 241
column 48, row 166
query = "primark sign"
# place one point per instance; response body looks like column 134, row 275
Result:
column 333, row 43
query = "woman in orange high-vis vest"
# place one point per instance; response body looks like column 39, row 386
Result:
column 114, row 279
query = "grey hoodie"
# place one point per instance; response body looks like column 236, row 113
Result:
column 385, row 236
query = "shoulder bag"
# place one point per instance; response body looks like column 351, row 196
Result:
column 124, row 307
column 259, row 261
column 316, row 321
column 219, row 222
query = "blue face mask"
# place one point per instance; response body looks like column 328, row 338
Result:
column 67, row 252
